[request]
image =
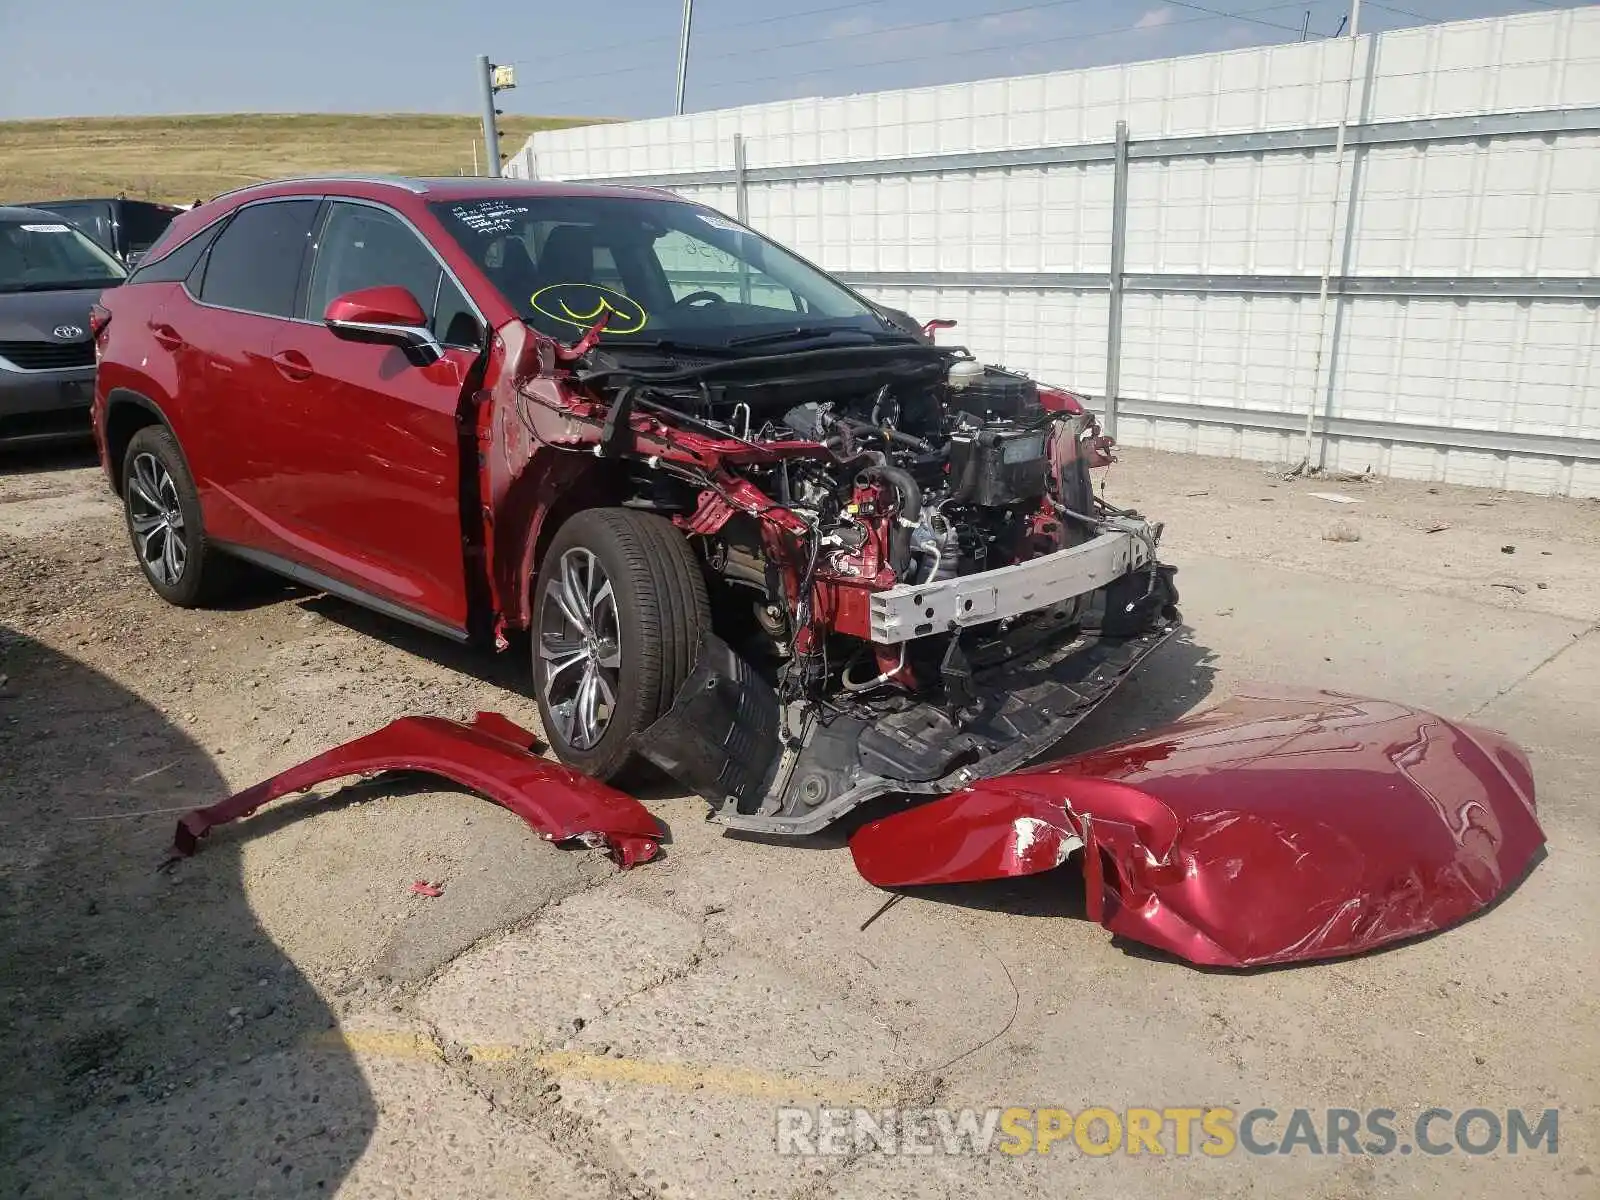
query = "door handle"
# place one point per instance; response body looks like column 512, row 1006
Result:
column 166, row 335
column 292, row 364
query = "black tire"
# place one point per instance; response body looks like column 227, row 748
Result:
column 660, row 609
column 205, row 575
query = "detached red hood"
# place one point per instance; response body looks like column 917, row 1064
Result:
column 1280, row 825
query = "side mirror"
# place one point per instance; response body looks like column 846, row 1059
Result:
column 386, row 316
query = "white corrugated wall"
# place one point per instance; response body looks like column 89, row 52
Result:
column 1502, row 206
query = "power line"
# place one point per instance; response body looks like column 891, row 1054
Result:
column 1233, row 16
column 1401, row 12
column 967, row 51
column 612, row 45
column 746, row 51
column 836, row 37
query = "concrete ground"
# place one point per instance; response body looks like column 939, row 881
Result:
column 282, row 1016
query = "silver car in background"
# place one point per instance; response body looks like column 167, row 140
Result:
column 50, row 276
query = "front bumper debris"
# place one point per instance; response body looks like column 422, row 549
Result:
column 721, row 737
column 1278, row 826
column 1008, row 696
column 491, row 756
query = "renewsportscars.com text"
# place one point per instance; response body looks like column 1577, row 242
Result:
column 1210, row 1131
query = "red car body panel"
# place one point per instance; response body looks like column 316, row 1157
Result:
column 492, row 757
column 1278, row 826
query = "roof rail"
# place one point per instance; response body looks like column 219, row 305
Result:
column 415, row 186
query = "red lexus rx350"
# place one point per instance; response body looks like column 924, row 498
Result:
column 759, row 530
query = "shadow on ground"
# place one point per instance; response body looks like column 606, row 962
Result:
column 155, row 1041
column 66, row 454
column 509, row 669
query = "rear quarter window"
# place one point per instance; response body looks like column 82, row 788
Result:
column 175, row 266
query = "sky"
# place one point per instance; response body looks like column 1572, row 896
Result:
column 610, row 58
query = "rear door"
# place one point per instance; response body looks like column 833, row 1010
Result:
column 375, row 482
column 246, row 288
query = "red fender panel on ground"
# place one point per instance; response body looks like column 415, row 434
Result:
column 1281, row 825
column 492, row 756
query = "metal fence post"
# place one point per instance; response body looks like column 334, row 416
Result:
column 741, row 209
column 1119, row 246
column 741, row 194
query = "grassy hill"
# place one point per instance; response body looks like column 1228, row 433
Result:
column 178, row 159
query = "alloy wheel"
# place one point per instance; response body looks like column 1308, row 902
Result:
column 580, row 649
column 156, row 518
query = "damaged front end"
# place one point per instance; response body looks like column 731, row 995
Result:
column 1279, row 826
column 912, row 583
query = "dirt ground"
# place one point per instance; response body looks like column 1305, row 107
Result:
column 282, row 1016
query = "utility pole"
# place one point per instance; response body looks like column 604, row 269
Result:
column 492, row 79
column 1323, row 285
column 1305, row 26
column 683, row 52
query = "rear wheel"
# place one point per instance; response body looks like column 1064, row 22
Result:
column 617, row 615
column 162, row 510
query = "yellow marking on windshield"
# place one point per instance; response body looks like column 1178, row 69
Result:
column 565, row 302
column 603, row 306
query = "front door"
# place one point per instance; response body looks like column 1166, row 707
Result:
column 374, row 487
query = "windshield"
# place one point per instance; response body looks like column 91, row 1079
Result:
column 665, row 270
column 42, row 255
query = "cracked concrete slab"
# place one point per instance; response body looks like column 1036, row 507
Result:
column 424, row 1125
column 789, row 1033
column 931, row 1177
column 804, row 907
column 332, row 876
column 581, row 958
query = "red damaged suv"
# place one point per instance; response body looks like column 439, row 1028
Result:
column 757, row 530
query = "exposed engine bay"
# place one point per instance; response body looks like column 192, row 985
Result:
column 913, row 585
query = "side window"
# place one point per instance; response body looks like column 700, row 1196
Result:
column 454, row 321
column 254, row 264
column 363, row 247
column 170, row 268
column 692, row 265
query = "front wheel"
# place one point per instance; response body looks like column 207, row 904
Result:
column 617, row 616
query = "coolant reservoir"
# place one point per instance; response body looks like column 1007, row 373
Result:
column 964, row 371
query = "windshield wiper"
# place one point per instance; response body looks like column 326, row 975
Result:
column 816, row 331
column 621, row 342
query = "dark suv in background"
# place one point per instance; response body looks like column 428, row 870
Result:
column 127, row 228
column 50, row 275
